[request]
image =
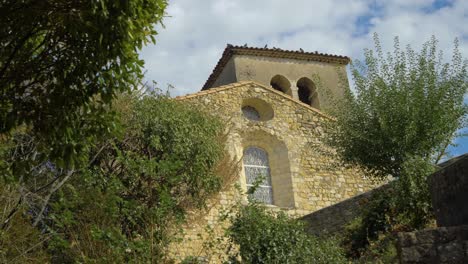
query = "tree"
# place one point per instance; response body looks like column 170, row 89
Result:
column 405, row 105
column 61, row 64
column 138, row 186
column 62, row 61
column 404, row 112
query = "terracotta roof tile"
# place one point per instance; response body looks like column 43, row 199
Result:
column 231, row 50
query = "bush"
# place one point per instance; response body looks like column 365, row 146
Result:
column 375, row 219
column 267, row 237
column 412, row 199
column 124, row 207
column 404, row 207
column 19, row 242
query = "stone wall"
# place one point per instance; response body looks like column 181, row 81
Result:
column 305, row 174
column 332, row 219
column 440, row 245
column 449, row 242
column 202, row 236
column 449, row 193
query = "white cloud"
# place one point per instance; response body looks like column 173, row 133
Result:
column 197, row 32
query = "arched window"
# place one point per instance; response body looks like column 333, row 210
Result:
column 308, row 92
column 280, row 83
column 256, row 166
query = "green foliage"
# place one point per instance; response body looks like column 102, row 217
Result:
column 400, row 119
column 402, row 207
column 62, row 62
column 412, row 197
column 172, row 144
column 375, row 220
column 382, row 250
column 193, row 260
column 126, row 205
column 20, row 242
column 267, row 237
column 250, row 232
column 405, row 104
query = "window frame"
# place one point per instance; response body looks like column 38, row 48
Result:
column 269, row 188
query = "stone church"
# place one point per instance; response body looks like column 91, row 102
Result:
column 271, row 102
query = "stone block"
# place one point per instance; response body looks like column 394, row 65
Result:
column 421, row 253
column 407, row 239
column 451, row 252
column 439, row 245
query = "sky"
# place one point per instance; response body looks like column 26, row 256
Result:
column 195, row 33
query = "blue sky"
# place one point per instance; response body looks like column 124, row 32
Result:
column 196, row 32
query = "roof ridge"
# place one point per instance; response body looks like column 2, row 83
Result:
column 270, row 52
column 301, row 51
column 242, row 83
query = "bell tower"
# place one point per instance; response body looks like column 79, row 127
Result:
column 309, row 77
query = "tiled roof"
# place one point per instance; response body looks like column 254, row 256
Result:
column 244, row 83
column 231, row 50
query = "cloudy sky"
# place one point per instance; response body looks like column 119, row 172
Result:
column 196, row 32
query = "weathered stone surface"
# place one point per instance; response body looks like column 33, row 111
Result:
column 421, row 251
column 439, row 245
column 449, row 242
column 451, row 252
column 449, row 192
column 304, row 174
column 262, row 69
column 332, row 219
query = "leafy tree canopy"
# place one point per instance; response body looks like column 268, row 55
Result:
column 124, row 206
column 405, row 104
column 62, row 61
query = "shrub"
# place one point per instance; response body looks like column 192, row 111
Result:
column 19, row 241
column 267, row 237
column 405, row 206
column 125, row 205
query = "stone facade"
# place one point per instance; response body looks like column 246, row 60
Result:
column 303, row 176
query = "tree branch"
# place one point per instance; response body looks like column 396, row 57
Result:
column 49, row 195
column 16, row 49
column 12, row 213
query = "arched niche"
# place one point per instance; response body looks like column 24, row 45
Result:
column 279, row 164
column 282, row 84
column 307, row 92
column 256, row 109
